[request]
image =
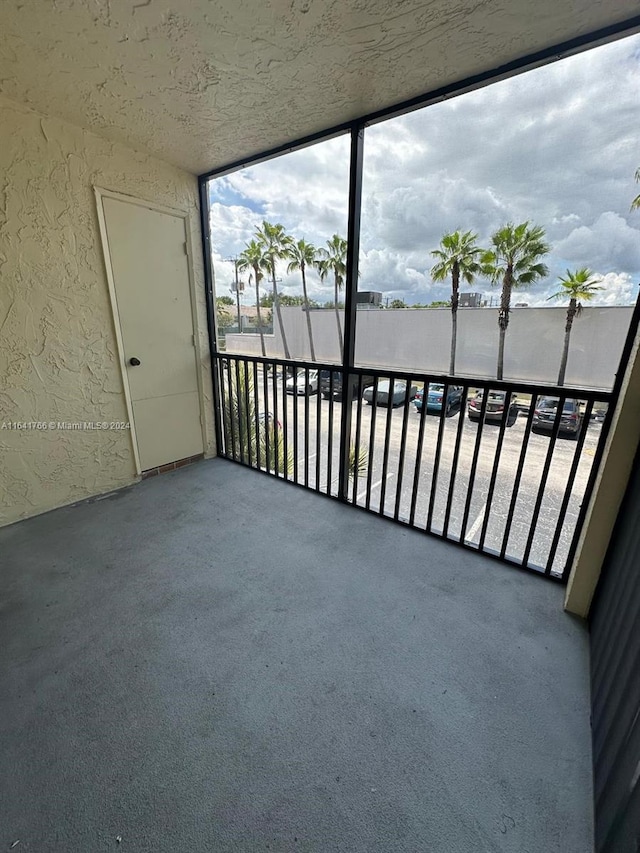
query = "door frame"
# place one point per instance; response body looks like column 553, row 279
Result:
column 100, row 194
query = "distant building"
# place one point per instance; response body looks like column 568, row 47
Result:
column 368, row 299
column 470, row 300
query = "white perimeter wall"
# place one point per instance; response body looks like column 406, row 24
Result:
column 420, row 340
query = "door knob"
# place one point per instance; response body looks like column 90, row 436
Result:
column 134, row 362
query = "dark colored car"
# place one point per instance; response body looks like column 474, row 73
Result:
column 494, row 412
column 326, row 387
column 545, row 413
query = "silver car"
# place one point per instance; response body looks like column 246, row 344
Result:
column 384, row 393
column 303, row 383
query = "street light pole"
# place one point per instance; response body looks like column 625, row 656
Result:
column 235, row 262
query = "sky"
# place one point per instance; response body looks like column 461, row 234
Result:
column 556, row 146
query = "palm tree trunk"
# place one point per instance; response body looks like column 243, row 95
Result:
column 335, row 289
column 503, row 319
column 306, row 308
column 571, row 312
column 500, row 353
column 454, row 335
column 276, row 304
column 260, row 330
column 455, row 287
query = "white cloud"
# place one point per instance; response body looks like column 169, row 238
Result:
column 609, row 241
column 617, row 289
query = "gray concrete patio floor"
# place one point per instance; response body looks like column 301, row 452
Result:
column 217, row 661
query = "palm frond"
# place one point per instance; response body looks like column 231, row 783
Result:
column 457, row 254
column 635, row 204
column 581, row 285
column 358, row 462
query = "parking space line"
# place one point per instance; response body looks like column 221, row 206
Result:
column 476, row 524
column 374, row 486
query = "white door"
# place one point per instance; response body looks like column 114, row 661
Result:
column 147, row 250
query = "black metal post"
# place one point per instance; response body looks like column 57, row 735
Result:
column 203, row 190
column 351, row 289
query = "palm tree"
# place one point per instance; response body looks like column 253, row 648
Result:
column 635, row 204
column 334, row 259
column 254, row 258
column 515, row 261
column 578, row 287
column 458, row 258
column 301, row 256
column 275, row 243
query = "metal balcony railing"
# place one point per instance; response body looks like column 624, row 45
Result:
column 476, row 462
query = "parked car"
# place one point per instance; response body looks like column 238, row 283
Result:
column 435, row 395
column 303, row 383
column 494, row 412
column 398, row 395
column 267, row 419
column 326, row 386
column 545, row 413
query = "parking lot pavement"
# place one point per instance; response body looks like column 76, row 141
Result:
column 392, row 484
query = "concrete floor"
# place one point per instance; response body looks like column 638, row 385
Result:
column 217, row 661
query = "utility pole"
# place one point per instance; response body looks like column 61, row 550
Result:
column 235, row 262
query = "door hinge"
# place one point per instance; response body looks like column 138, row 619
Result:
column 186, row 248
column 193, row 340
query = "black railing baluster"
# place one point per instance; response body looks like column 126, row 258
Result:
column 420, row 444
column 454, row 464
column 516, row 483
column 372, row 439
column 435, row 475
column 233, row 407
column 569, row 486
column 276, row 421
column 330, row 436
column 318, row 428
column 226, row 426
column 387, row 434
column 476, row 454
column 269, row 421
column 403, row 446
column 256, row 412
column 543, row 481
column 237, row 410
column 284, row 437
column 247, row 411
column 494, row 476
column 306, row 426
column 294, row 399
column 356, row 450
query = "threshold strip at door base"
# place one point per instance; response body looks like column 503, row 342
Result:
column 171, row 466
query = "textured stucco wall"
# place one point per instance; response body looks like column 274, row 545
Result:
column 58, row 357
column 204, row 83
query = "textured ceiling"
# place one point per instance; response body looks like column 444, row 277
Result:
column 203, row 83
